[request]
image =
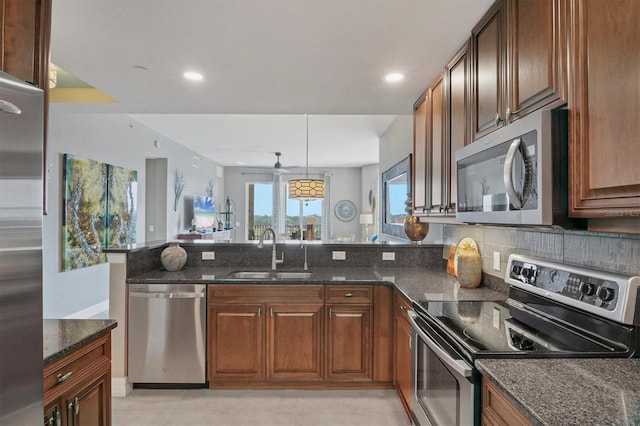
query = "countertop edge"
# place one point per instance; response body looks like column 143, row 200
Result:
column 80, row 341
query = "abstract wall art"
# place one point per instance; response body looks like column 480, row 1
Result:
column 100, row 210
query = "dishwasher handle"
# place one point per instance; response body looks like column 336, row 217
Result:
column 168, row 295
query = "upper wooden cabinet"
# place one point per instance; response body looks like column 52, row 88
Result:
column 604, row 106
column 518, row 53
column 441, row 126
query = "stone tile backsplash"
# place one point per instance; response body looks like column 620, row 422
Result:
column 618, row 253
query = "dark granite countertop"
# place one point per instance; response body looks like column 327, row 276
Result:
column 62, row 336
column 414, row 283
column 567, row 392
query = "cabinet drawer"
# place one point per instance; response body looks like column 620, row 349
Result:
column 401, row 305
column 71, row 367
column 349, row 294
column 260, row 293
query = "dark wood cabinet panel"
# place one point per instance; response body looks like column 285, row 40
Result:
column 348, row 342
column 604, row 107
column 537, row 55
column 236, row 347
column 419, row 166
column 402, row 351
column 77, row 387
column 497, row 410
column 488, row 71
column 435, row 146
column 383, row 333
column 456, row 122
column 295, row 342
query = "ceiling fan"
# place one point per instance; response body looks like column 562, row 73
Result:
column 277, row 167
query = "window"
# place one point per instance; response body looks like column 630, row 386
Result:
column 259, row 209
column 311, row 214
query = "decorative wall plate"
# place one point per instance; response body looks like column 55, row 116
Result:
column 345, row 210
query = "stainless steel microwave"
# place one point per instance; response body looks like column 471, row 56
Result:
column 517, row 175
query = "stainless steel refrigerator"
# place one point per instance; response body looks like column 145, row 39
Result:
column 21, row 147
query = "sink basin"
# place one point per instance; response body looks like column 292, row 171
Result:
column 293, row 275
column 251, row 275
column 269, row 275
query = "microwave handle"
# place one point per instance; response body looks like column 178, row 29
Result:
column 459, row 366
column 516, row 145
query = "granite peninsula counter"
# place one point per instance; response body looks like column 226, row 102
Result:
column 63, row 336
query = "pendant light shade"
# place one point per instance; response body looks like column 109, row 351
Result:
column 306, row 189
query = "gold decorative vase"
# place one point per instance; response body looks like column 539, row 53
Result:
column 468, row 267
column 414, row 229
column 173, row 257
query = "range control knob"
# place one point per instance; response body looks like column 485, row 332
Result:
column 605, row 294
column 587, row 289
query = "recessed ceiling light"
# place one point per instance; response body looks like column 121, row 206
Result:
column 394, row 77
column 194, row 76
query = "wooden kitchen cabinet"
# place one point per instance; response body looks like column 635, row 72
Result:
column 295, row 342
column 604, row 107
column 348, row 342
column 419, row 158
column 77, row 388
column 497, row 410
column 518, row 57
column 235, row 341
column 402, row 351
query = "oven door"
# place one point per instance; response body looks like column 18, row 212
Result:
column 445, row 387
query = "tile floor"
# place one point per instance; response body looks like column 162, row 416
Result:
column 169, row 407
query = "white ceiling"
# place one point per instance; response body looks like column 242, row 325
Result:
column 266, row 63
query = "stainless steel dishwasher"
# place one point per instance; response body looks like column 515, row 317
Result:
column 167, row 333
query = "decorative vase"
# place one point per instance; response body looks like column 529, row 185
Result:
column 173, row 257
column 414, row 229
column 468, row 267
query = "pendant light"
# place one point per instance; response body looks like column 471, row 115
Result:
column 306, row 189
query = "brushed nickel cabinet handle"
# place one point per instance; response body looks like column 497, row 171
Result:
column 509, row 114
column 259, row 311
column 62, row 377
column 330, row 312
column 498, row 119
column 402, row 308
column 271, row 311
column 348, row 295
column 75, row 406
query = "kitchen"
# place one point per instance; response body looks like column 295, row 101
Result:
column 66, row 294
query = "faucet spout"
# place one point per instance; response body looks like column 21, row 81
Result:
column 274, row 256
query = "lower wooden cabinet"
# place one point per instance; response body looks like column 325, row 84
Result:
column 497, row 410
column 298, row 335
column 77, row 388
column 295, row 342
column 402, row 351
column 348, row 342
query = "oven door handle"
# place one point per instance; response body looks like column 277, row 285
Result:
column 459, row 366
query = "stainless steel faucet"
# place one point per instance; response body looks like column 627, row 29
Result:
column 304, row 246
column 274, row 255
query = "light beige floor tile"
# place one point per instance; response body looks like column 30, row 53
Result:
column 137, row 417
column 328, row 418
column 386, row 418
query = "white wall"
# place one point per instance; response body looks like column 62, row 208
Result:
column 118, row 140
column 371, row 178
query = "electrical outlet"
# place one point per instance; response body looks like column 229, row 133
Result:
column 339, row 255
column 208, row 255
column 496, row 260
column 496, row 318
column 388, row 255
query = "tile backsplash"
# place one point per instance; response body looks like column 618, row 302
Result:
column 618, row 253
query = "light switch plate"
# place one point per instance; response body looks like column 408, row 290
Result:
column 388, row 255
column 496, row 260
column 208, row 255
column 496, row 318
column 339, row 255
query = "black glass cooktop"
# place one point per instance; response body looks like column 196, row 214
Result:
column 491, row 329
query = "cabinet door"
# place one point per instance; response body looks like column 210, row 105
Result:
column 53, row 413
column 604, row 107
column 537, row 54
column 235, row 341
column 456, row 122
column 497, row 410
column 90, row 404
column 419, row 170
column 294, row 342
column 487, row 76
column 435, row 146
column 348, row 344
column 402, row 360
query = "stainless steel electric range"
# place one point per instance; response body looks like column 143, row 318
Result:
column 553, row 310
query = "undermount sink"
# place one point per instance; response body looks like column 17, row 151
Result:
column 269, row 275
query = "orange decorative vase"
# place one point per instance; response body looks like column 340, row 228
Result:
column 468, row 267
column 414, row 229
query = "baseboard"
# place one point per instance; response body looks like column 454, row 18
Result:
column 91, row 311
column 120, row 387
